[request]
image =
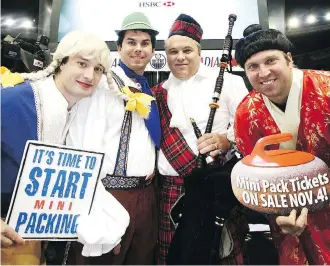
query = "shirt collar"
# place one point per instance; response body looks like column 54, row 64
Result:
column 52, row 91
column 297, row 78
column 201, row 73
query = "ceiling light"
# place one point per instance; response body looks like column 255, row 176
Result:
column 311, row 19
column 27, row 24
column 293, row 22
column 327, row 16
column 9, row 22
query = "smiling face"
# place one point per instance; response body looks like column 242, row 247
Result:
column 270, row 73
column 78, row 78
column 136, row 50
column 183, row 56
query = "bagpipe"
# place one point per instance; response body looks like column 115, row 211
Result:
column 200, row 214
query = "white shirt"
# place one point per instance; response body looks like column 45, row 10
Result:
column 52, row 111
column 191, row 98
column 99, row 121
column 288, row 121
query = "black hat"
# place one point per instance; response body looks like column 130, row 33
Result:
column 185, row 25
column 256, row 40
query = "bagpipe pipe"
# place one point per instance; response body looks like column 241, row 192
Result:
column 201, row 212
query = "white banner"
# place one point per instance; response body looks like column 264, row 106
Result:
column 54, row 186
column 210, row 58
column 103, row 17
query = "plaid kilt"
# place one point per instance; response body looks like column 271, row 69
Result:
column 183, row 160
column 170, row 191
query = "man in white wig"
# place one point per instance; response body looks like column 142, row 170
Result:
column 42, row 108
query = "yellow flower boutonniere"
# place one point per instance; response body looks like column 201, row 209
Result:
column 138, row 101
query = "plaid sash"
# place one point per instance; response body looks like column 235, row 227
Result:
column 173, row 145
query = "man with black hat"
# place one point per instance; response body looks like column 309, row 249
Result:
column 124, row 123
column 291, row 100
column 186, row 94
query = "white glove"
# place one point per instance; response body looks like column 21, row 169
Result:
column 102, row 230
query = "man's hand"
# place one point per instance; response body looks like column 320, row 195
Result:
column 291, row 225
column 9, row 236
column 213, row 143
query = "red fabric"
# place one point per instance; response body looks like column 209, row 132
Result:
column 173, row 145
column 253, row 121
column 188, row 27
column 182, row 159
column 169, row 193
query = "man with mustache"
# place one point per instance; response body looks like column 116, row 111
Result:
column 286, row 99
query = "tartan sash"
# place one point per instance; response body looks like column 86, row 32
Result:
column 173, row 145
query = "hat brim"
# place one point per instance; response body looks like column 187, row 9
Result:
column 137, row 27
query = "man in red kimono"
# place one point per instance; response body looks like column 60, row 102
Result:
column 286, row 99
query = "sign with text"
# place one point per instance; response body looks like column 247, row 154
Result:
column 54, row 186
column 93, row 16
column 210, row 58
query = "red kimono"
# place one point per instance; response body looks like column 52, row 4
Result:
column 253, row 121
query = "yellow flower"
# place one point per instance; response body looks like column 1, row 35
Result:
column 138, row 101
column 8, row 79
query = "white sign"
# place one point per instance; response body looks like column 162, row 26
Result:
column 103, row 17
column 55, row 185
column 210, row 58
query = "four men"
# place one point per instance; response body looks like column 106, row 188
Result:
column 121, row 119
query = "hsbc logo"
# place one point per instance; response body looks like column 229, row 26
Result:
column 169, row 3
column 156, row 4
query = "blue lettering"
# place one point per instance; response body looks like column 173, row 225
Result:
column 84, row 184
column 58, row 223
column 50, row 157
column 40, row 228
column 31, row 224
column 21, row 220
column 49, row 172
column 59, row 184
column 31, row 189
column 72, row 183
column 50, row 223
column 66, row 223
column 74, row 224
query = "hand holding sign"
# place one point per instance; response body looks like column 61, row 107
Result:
column 291, row 224
column 279, row 181
column 9, row 237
